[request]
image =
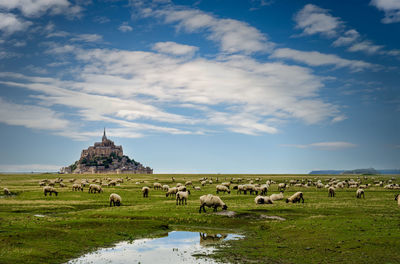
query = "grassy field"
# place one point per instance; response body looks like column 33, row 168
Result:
column 322, row 230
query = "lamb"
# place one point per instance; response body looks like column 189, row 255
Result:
column 295, row 198
column 171, row 191
column 6, row 191
column 263, row 200
column 145, row 191
column 223, row 188
column 157, row 186
column 115, row 199
column 77, row 187
column 331, row 192
column 49, row 189
column 359, row 193
column 210, row 200
column 275, row 196
column 397, row 198
column 93, row 188
column 182, row 197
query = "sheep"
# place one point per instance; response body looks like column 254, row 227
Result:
column 145, row 191
column 49, row 189
column 93, row 188
column 359, row 193
column 188, row 183
column 210, row 200
column 42, row 183
column 157, row 186
column 397, row 198
column 227, row 184
column 264, row 189
column 203, row 183
column 62, row 184
column 197, row 188
column 77, row 187
column 223, row 188
column 331, row 192
column 182, row 197
column 263, row 200
column 173, row 179
column 6, row 191
column 115, row 199
column 295, row 198
column 171, row 191
column 165, row 187
column 281, row 186
column 179, row 184
column 71, row 180
column 112, row 183
column 275, row 196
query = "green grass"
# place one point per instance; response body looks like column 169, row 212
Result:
column 322, row 230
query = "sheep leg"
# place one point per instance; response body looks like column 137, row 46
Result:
column 185, row 201
column 110, row 203
column 302, row 199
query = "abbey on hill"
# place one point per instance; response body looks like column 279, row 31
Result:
column 105, row 157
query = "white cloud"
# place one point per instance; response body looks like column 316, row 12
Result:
column 233, row 36
column 9, row 23
column 365, row 46
column 174, row 48
column 30, row 116
column 29, row 167
column 350, row 36
column 87, row 38
column 125, row 27
column 315, row 58
column 335, row 145
column 35, row 8
column 315, row 20
column 391, row 9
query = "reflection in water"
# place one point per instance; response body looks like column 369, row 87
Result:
column 177, row 247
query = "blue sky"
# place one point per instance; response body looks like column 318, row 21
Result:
column 201, row 86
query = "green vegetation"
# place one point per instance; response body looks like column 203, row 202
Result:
column 322, row 230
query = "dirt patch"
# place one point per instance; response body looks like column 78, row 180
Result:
column 273, row 217
column 227, row 213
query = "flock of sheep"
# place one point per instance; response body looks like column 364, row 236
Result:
column 181, row 191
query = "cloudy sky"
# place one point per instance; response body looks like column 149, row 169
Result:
column 202, row 86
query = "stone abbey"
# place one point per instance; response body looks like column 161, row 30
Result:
column 105, row 157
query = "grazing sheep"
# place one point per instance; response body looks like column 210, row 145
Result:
column 93, row 188
column 6, row 191
column 275, row 196
column 188, row 183
column 210, row 200
column 171, row 191
column 77, row 187
column 42, row 183
column 331, row 192
column 397, row 198
column 112, row 183
column 281, row 187
column 264, row 189
column 173, row 179
column 295, row 198
column 179, row 184
column 52, row 183
column 203, row 183
column 50, row 190
column 359, row 193
column 263, row 200
column 62, row 185
column 182, row 197
column 115, row 199
column 223, row 188
column 157, row 186
column 227, row 184
column 165, row 187
column 182, row 188
column 197, row 188
column 71, row 180
column 145, row 191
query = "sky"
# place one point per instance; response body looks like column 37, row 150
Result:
column 202, row 86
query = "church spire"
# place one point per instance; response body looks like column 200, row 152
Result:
column 104, row 138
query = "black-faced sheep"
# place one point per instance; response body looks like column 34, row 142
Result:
column 165, row 187
column 77, row 187
column 182, row 188
column 112, row 183
column 295, row 198
column 210, row 200
column 263, row 200
column 171, row 191
column 157, row 186
column 50, row 190
column 188, row 183
column 182, row 197
column 275, row 196
column 6, row 191
column 145, row 191
column 359, row 193
column 331, row 191
column 281, row 186
column 115, row 199
column 222, row 188
column 93, row 188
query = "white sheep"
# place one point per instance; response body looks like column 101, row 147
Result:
column 165, row 187
column 275, row 196
column 157, row 186
column 203, row 183
column 263, row 200
column 115, row 199
column 295, row 198
column 197, row 188
column 331, row 191
column 77, row 187
column 188, row 183
column 210, row 200
column 182, row 188
column 171, row 191
column 112, row 183
column 227, row 184
column 145, row 191
column 182, row 197
column 281, row 186
column 6, row 191
column 359, row 193
column 50, row 190
column 222, row 188
column 93, row 188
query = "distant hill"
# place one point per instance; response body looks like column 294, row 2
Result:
column 357, row 171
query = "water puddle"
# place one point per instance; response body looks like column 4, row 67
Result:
column 177, row 247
